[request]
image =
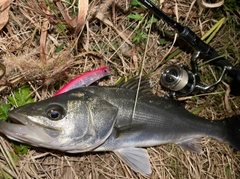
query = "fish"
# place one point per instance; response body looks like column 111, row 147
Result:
column 85, row 79
column 105, row 118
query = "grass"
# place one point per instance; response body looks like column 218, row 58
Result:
column 99, row 44
column 19, row 97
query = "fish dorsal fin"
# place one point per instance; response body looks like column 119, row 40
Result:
column 193, row 145
column 132, row 84
column 136, row 158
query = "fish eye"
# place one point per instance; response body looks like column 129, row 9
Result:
column 55, row 113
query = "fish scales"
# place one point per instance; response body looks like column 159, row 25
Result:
column 163, row 115
column 149, row 110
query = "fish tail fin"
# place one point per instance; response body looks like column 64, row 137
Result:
column 233, row 131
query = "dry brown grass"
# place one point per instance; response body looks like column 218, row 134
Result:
column 101, row 43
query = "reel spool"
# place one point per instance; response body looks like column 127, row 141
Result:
column 178, row 79
column 181, row 81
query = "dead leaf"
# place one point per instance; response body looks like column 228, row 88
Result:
column 4, row 11
column 82, row 14
column 43, row 39
column 203, row 4
column 65, row 14
column 226, row 97
column 212, row 5
column 2, row 70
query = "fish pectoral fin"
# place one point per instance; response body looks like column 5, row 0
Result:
column 192, row 144
column 136, row 158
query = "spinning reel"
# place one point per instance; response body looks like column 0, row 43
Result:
column 181, row 80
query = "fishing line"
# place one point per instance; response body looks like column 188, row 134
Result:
column 141, row 72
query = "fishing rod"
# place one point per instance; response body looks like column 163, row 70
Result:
column 181, row 80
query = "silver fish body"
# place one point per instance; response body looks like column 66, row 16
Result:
column 155, row 121
column 104, row 119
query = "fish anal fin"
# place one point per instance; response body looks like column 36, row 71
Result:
column 136, row 158
column 192, row 144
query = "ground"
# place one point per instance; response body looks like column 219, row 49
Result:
column 44, row 47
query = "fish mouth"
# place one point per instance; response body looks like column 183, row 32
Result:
column 21, row 129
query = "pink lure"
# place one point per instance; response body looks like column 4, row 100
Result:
column 85, row 79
